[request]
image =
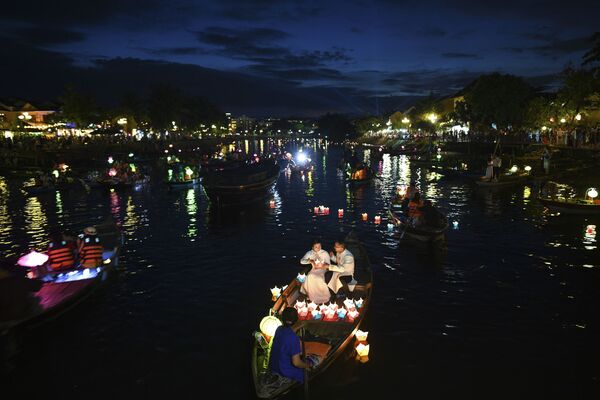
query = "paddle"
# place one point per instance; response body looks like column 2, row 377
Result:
column 306, row 396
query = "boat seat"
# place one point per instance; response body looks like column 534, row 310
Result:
column 318, row 348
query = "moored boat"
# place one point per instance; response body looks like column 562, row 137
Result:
column 185, row 184
column 571, row 206
column 326, row 338
column 505, row 180
column 59, row 291
column 238, row 186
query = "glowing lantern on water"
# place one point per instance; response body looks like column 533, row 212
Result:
column 401, row 190
column 514, row 169
column 268, row 326
column 112, row 172
column 362, row 351
column 55, row 173
column 365, row 217
column 390, row 227
column 275, row 292
column 590, row 229
column 377, row 219
column 455, row 224
column 110, row 160
column 301, row 278
column 361, row 336
column 316, row 209
column 132, row 168
column 340, row 212
column 32, row 259
column 272, row 204
column 188, row 172
column 592, row 193
column 326, row 210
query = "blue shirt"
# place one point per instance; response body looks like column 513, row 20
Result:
column 285, row 345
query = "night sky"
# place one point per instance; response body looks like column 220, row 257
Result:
column 287, row 57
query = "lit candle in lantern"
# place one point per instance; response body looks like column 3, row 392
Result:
column 275, row 292
column 377, row 219
column 340, row 212
column 358, row 302
column 352, row 315
column 362, row 352
column 361, row 336
column 365, row 216
column 301, row 278
column 272, row 204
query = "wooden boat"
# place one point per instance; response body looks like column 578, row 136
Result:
column 177, row 185
column 505, row 180
column 331, row 338
column 421, row 233
column 38, row 189
column 61, row 291
column 116, row 183
column 370, row 175
column 239, row 186
column 571, row 206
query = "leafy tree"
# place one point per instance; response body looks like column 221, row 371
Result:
column 164, row 107
column 498, row 99
column 336, row 127
column 79, row 108
column 368, row 123
column 579, row 92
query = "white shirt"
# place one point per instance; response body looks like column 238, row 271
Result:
column 343, row 263
column 322, row 256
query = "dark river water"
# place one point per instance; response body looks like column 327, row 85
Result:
column 508, row 306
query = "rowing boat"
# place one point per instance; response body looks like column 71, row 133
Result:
column 329, row 339
column 571, row 206
column 59, row 292
column 422, row 233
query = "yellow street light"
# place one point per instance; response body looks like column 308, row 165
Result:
column 405, row 120
column 578, row 117
column 562, row 120
column 432, row 117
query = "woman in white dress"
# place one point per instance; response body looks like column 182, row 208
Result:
column 315, row 286
column 489, row 172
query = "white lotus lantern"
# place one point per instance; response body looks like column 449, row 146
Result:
column 361, row 336
column 311, row 306
column 323, row 308
column 332, row 306
column 352, row 315
column 358, row 302
column 349, row 303
column 303, row 312
column 301, row 278
column 362, row 352
column 299, row 304
column 275, row 292
column 330, row 315
column 514, row 169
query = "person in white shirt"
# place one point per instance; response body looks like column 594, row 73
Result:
column 342, row 266
column 314, row 286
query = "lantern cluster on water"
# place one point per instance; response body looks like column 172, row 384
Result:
column 321, row 210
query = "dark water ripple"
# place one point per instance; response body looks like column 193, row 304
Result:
column 507, row 305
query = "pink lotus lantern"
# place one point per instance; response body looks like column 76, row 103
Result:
column 329, row 315
column 32, row 259
column 272, row 204
column 323, row 308
column 299, row 304
column 326, row 210
column 352, row 315
column 365, row 217
column 112, row 172
column 316, row 210
column 303, row 313
column 332, row 306
column 340, row 212
column 377, row 219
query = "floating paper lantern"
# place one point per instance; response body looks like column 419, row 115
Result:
column 590, row 229
column 362, row 350
column 326, row 210
column 340, row 212
column 352, row 315
column 316, row 210
column 32, row 259
column 365, row 217
column 275, row 292
column 401, row 190
column 455, row 224
column 299, row 304
column 301, row 278
column 361, row 336
column 377, row 219
column 272, row 204
column 330, row 315
column 358, row 302
column 110, row 160
column 268, row 326
column 390, row 227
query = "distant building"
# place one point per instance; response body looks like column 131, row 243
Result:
column 33, row 114
column 245, row 124
column 231, row 123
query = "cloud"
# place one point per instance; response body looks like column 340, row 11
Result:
column 432, row 32
column 174, row 51
column 460, row 55
column 43, row 35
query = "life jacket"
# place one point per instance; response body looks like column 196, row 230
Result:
column 60, row 256
column 90, row 253
column 413, row 209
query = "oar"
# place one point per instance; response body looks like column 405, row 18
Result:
column 306, row 395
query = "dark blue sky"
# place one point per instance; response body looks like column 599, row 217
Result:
column 287, row 57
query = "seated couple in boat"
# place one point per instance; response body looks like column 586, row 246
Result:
column 339, row 265
column 63, row 251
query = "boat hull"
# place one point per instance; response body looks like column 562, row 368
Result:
column 570, row 208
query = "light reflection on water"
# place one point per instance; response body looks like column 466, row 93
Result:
column 506, row 264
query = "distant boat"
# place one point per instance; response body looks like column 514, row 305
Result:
column 330, row 338
column 238, row 186
column 571, row 206
column 422, row 233
column 504, row 180
column 185, row 184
